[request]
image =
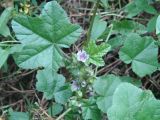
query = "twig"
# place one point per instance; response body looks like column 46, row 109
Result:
column 49, row 117
column 110, row 65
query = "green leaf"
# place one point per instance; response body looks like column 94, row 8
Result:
column 90, row 110
column 142, row 53
column 4, row 18
column 98, row 28
column 138, row 6
column 49, row 82
column 4, row 55
column 151, row 25
column 63, row 95
column 158, row 25
column 117, row 41
column 105, row 87
column 18, row 116
column 43, row 36
column 132, row 103
column 128, row 26
column 105, row 3
column 6, row 52
column 55, row 109
column 96, row 52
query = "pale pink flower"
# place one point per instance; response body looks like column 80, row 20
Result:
column 82, row 56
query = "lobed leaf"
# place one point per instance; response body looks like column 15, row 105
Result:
column 142, row 53
column 96, row 52
column 132, row 103
column 43, row 36
column 105, row 87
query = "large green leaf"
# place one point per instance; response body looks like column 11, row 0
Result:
column 4, row 18
column 49, row 82
column 105, row 87
column 132, row 103
column 142, row 53
column 96, row 52
column 43, row 37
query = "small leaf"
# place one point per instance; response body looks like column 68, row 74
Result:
column 158, row 25
column 132, row 103
column 117, row 41
column 132, row 10
column 6, row 52
column 4, row 55
column 142, row 53
column 96, row 52
column 55, row 109
column 90, row 110
column 128, row 26
column 63, row 95
column 105, row 3
column 151, row 25
column 4, row 18
column 138, row 6
column 49, row 82
column 98, row 28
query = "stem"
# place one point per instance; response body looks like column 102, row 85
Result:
column 109, row 34
column 62, row 115
column 92, row 21
column 9, row 42
column 119, row 2
column 12, row 38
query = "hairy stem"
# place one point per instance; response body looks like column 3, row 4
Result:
column 92, row 21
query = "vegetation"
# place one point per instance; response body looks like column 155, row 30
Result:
column 79, row 60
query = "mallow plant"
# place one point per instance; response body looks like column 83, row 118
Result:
column 39, row 44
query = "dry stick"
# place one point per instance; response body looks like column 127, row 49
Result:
column 20, row 91
column 11, row 105
column 62, row 115
column 110, row 65
column 119, row 62
column 18, row 75
column 155, row 84
column 49, row 117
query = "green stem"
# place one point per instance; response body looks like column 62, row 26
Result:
column 92, row 21
column 62, row 115
column 119, row 2
column 109, row 34
column 4, row 42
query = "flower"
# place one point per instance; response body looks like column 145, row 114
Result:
column 75, row 86
column 82, row 56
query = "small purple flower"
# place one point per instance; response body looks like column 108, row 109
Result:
column 75, row 86
column 82, row 56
